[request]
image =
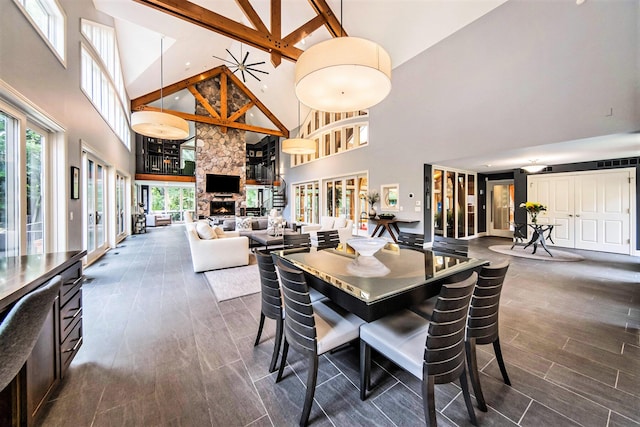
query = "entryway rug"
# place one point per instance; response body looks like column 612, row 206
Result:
column 234, row 282
column 540, row 254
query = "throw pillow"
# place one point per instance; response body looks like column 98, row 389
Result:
column 219, row 232
column 229, row 224
column 340, row 223
column 243, row 223
column 272, row 223
column 204, row 230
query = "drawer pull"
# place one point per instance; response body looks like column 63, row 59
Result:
column 75, row 347
column 75, row 281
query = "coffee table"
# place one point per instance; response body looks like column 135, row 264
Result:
column 269, row 242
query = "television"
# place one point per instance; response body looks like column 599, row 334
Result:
column 222, row 183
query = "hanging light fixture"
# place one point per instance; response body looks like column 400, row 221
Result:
column 298, row 145
column 343, row 74
column 158, row 124
column 534, row 167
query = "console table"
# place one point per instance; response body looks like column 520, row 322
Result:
column 22, row 401
column 390, row 225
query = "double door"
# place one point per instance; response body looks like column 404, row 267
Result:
column 588, row 210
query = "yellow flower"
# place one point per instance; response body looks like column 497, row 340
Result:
column 533, row 207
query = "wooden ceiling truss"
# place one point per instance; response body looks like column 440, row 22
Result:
column 258, row 36
column 223, row 118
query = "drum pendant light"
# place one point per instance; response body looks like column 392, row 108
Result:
column 343, row 74
column 298, row 145
column 158, row 124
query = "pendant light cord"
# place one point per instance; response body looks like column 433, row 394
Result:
column 340, row 18
column 161, row 72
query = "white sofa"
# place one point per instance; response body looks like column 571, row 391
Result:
column 229, row 251
column 343, row 225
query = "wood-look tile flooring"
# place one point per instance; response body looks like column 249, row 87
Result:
column 160, row 350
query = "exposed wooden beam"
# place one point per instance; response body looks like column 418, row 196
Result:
column 235, row 116
column 276, row 29
column 304, row 30
column 331, row 22
column 220, row 122
column 203, row 102
column 176, row 87
column 210, row 20
column 172, row 178
column 223, row 99
column 252, row 16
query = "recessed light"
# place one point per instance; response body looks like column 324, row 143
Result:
column 487, row 165
column 176, row 98
column 579, row 2
column 187, row 64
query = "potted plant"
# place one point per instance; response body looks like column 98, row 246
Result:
column 372, row 198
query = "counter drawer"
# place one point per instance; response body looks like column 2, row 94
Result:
column 70, row 346
column 70, row 313
column 71, row 280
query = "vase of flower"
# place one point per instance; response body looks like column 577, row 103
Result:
column 373, row 197
column 533, row 208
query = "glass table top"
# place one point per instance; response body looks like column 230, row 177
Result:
column 388, row 272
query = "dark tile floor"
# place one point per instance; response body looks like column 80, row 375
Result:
column 160, row 350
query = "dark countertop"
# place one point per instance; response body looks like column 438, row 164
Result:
column 21, row 275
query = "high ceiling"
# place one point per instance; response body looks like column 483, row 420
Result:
column 404, row 28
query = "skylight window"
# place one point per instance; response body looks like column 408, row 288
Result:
column 49, row 20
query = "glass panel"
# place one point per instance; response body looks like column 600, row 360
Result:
column 157, row 199
column 35, row 196
column 502, row 213
column 316, row 118
column 349, row 136
column 460, row 205
column 91, row 203
column 327, row 144
column 350, row 194
column 330, row 197
column 363, row 132
column 450, row 205
column 327, row 118
column 173, row 203
column 438, row 208
column 471, row 205
column 337, row 137
column 100, row 214
column 9, row 139
column 120, row 204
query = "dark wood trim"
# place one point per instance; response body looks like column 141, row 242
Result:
column 172, row 178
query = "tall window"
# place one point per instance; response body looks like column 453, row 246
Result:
column 101, row 78
column 48, row 18
column 9, row 194
column 35, row 191
column 121, row 194
column 174, row 200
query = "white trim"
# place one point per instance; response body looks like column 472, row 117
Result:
column 62, row 54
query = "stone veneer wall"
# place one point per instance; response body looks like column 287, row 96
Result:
column 218, row 152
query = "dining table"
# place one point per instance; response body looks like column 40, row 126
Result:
column 374, row 286
column 539, row 235
column 390, row 225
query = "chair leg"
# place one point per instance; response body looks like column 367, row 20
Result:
column 259, row 329
column 429, row 401
column 276, row 345
column 365, row 369
column 283, row 360
column 472, row 364
column 503, row 369
column 312, row 376
column 467, row 397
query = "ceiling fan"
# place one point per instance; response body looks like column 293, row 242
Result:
column 242, row 65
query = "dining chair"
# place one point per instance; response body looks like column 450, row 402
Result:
column 328, row 239
column 411, row 240
column 20, row 329
column 311, row 329
column 294, row 240
column 450, row 245
column 431, row 350
column 482, row 323
column 272, row 301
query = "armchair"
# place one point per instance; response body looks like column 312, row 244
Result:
column 343, row 225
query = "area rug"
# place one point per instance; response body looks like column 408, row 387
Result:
column 540, row 254
column 229, row 283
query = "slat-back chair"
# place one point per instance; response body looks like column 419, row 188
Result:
column 311, row 329
column 432, row 351
column 411, row 240
column 294, row 240
column 482, row 324
column 328, row 239
column 450, row 245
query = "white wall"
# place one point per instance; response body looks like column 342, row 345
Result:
column 31, row 68
column 528, row 73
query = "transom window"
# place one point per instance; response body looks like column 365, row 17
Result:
column 48, row 18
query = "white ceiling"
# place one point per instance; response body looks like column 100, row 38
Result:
column 403, row 27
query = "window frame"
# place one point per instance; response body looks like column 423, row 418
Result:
column 57, row 25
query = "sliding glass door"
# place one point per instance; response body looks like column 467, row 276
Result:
column 95, row 202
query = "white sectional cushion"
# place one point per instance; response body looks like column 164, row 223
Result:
column 340, row 222
column 204, row 230
column 326, row 222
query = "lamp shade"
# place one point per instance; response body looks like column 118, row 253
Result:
column 157, row 124
column 298, row 146
column 343, row 74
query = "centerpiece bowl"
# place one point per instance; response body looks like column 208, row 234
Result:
column 367, row 246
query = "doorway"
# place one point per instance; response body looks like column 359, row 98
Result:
column 501, row 208
column 95, row 202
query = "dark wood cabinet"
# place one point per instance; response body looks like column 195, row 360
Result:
column 157, row 156
column 262, row 161
column 59, row 341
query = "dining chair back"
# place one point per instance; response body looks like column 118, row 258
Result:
column 271, row 302
column 482, row 323
column 328, row 239
column 20, row 329
column 450, row 245
column 411, row 240
column 294, row 240
column 432, row 350
column 311, row 329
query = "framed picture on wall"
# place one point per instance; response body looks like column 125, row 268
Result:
column 389, row 197
column 75, row 183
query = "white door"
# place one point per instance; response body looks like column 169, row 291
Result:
column 95, row 202
column 589, row 210
column 501, row 205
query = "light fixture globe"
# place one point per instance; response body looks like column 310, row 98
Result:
column 533, row 167
column 157, row 124
column 343, row 74
column 298, row 146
